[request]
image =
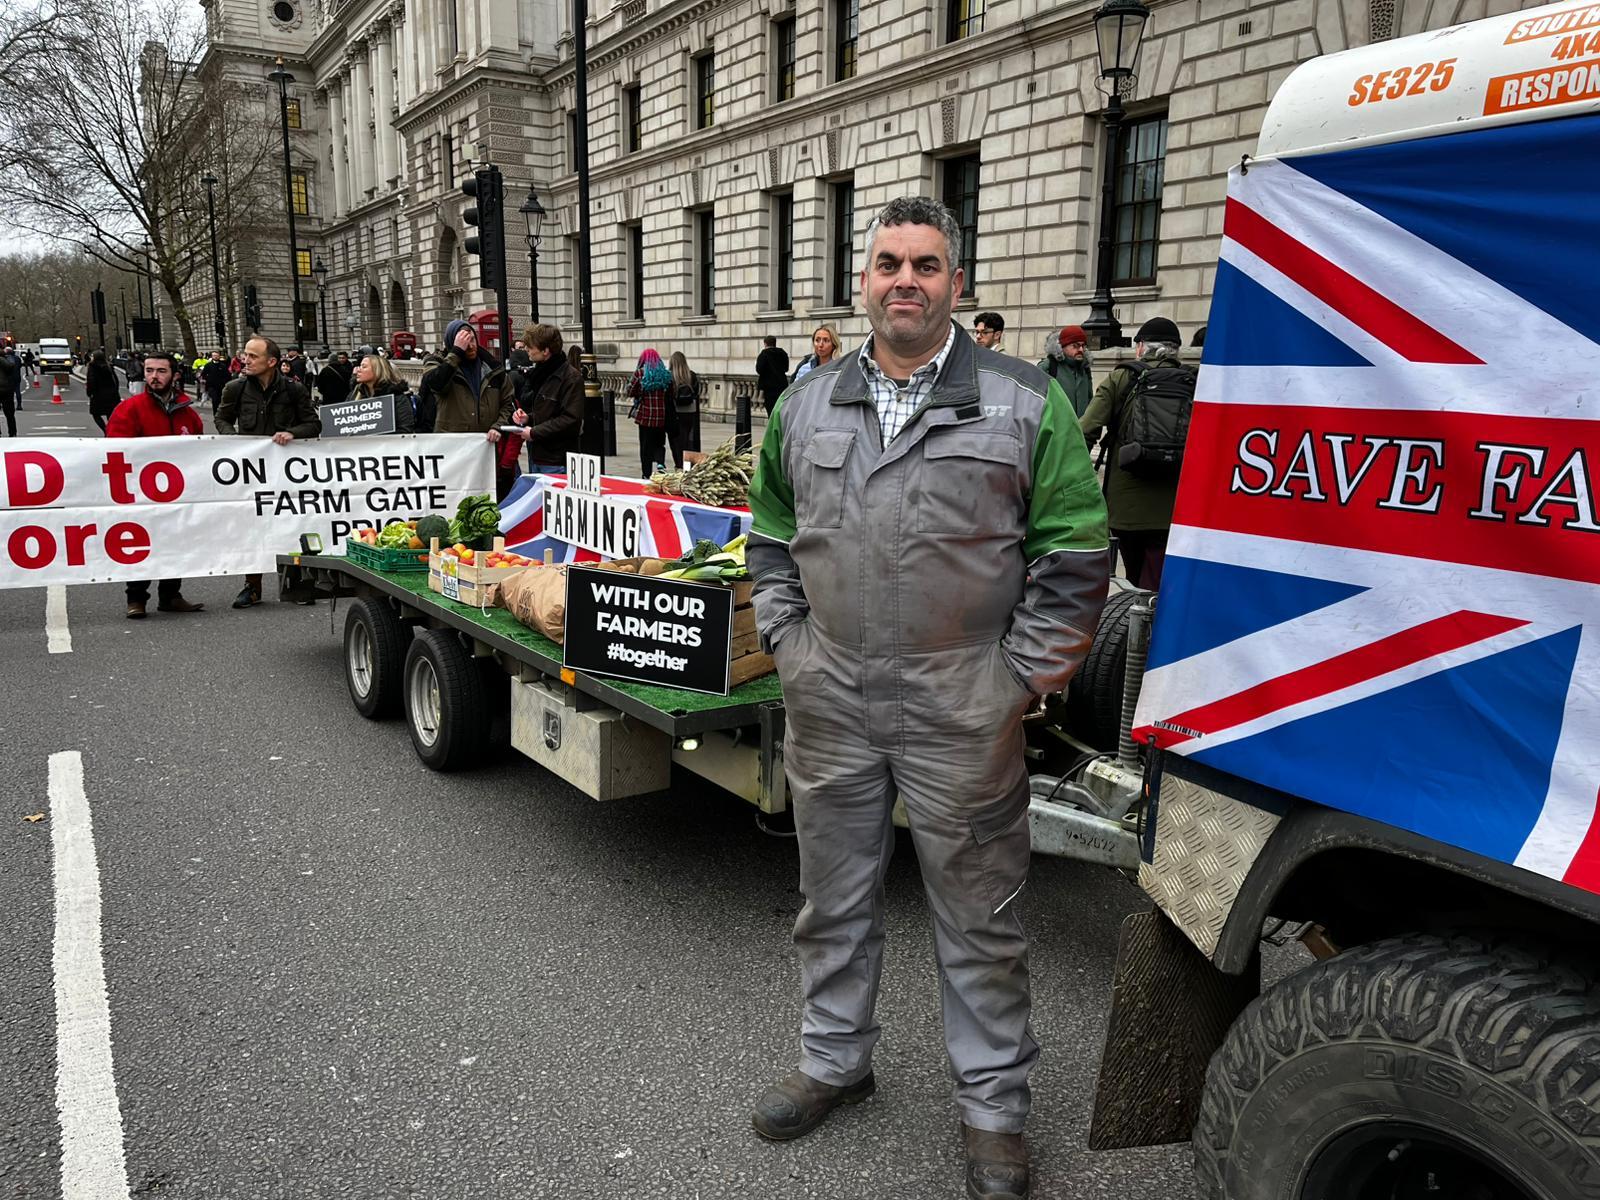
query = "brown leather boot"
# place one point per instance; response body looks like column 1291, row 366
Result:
column 135, row 610
column 997, row 1165
column 797, row 1104
column 179, row 605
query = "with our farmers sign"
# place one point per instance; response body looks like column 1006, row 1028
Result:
column 359, row 417
column 651, row 630
column 76, row 510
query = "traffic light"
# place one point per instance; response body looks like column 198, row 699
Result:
column 488, row 215
column 252, row 307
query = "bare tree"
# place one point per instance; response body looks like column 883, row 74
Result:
column 120, row 126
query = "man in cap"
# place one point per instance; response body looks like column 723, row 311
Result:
column 1066, row 361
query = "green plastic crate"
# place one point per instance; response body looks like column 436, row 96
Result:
column 382, row 558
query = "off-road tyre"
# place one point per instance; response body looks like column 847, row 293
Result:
column 374, row 634
column 1094, row 696
column 1493, row 1044
column 447, row 710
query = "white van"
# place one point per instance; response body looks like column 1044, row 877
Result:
column 55, row 355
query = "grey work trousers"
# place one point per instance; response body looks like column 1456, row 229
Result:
column 957, row 762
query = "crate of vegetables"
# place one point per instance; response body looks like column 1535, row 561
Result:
column 395, row 547
column 458, row 572
column 708, row 562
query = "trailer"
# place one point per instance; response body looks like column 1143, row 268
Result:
column 444, row 667
column 466, row 679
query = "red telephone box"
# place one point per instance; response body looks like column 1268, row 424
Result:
column 486, row 325
column 403, row 344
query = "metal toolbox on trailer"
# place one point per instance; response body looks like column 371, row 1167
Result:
column 600, row 751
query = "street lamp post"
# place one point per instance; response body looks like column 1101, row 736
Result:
column 533, row 213
column 283, row 79
column 150, row 277
column 319, row 269
column 1118, row 26
column 220, row 326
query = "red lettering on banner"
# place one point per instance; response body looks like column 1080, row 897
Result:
column 30, row 547
column 19, row 493
column 161, row 482
column 127, row 543
column 1509, row 492
column 77, row 538
column 117, row 469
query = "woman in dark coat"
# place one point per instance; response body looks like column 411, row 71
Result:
column 374, row 376
column 101, row 384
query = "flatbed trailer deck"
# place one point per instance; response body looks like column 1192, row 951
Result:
column 734, row 740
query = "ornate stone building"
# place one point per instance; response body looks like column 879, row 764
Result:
column 739, row 147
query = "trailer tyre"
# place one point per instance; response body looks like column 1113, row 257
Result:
column 1416, row 1067
column 447, row 712
column 1094, row 696
column 374, row 658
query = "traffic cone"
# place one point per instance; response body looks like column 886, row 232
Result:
column 38, row 381
column 55, row 391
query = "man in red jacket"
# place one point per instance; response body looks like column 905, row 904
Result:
column 161, row 410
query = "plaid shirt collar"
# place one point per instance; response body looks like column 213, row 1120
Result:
column 895, row 406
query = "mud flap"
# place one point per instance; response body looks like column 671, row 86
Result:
column 1170, row 1010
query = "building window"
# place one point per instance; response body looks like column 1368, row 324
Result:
column 965, row 19
column 294, row 114
column 783, row 250
column 572, row 141
column 302, row 263
column 847, row 24
column 961, row 198
column 783, row 60
column 632, row 119
column 636, row 272
column 1136, row 217
column 297, row 189
column 705, row 90
column 307, row 323
column 449, row 147
column 705, row 262
column 843, row 243
column 573, row 249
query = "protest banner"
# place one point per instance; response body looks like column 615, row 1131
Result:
column 92, row 510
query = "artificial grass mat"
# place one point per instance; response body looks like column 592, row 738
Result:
column 668, row 700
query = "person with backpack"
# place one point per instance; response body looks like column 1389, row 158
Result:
column 1066, row 360
column 653, row 409
column 1142, row 408
column 686, row 399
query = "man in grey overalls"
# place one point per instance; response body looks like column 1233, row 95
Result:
column 929, row 549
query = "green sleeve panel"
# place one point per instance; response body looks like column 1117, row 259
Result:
column 771, row 494
column 1066, row 510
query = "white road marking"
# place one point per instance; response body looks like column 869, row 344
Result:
column 55, row 619
column 92, row 1162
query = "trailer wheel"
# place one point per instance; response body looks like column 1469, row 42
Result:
column 1094, row 696
column 1415, row 1068
column 446, row 710
column 374, row 657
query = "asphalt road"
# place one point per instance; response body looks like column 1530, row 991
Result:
column 334, row 974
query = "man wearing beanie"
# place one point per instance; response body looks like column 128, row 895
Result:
column 1066, row 360
column 464, row 390
column 1138, row 502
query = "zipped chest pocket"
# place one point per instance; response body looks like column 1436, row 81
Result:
column 820, row 483
column 970, row 483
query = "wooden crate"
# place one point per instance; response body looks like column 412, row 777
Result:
column 747, row 660
column 471, row 584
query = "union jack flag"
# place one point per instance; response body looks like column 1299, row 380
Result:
column 1382, row 590
column 671, row 526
